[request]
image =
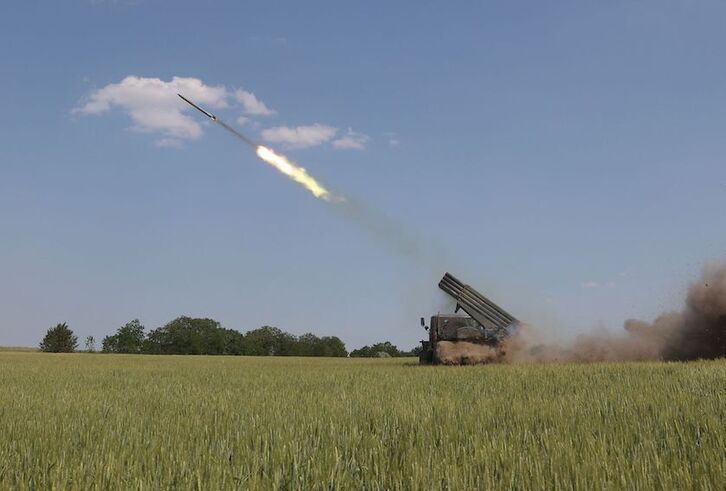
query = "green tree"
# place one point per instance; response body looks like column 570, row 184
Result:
column 189, row 336
column 333, row 346
column 234, row 342
column 364, row 352
column 372, row 351
column 129, row 338
column 265, row 341
column 310, row 345
column 196, row 336
column 59, row 339
column 285, row 344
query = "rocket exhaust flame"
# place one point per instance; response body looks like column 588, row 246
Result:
column 296, row 173
column 279, row 162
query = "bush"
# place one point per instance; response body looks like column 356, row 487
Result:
column 373, row 351
column 383, row 350
column 59, row 339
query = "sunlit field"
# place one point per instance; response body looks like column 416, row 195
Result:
column 85, row 421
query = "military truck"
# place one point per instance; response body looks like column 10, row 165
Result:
column 485, row 323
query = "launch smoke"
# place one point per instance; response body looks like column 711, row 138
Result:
column 465, row 353
column 697, row 331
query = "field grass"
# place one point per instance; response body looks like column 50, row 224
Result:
column 87, row 421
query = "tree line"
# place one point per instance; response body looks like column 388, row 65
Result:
column 384, row 349
column 198, row 336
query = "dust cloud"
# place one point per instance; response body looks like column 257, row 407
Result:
column 698, row 331
column 464, row 353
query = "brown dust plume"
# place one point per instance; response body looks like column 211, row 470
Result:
column 698, row 331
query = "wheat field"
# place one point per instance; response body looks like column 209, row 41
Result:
column 91, row 421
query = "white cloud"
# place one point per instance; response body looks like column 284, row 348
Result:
column 168, row 143
column 299, row 136
column 253, row 106
column 351, row 141
column 153, row 104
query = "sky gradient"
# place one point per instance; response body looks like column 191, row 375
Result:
column 566, row 160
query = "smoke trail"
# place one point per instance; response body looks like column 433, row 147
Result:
column 697, row 331
column 383, row 229
column 377, row 225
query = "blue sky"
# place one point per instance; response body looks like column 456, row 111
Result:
column 565, row 158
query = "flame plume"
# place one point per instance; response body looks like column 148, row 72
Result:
column 295, row 172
